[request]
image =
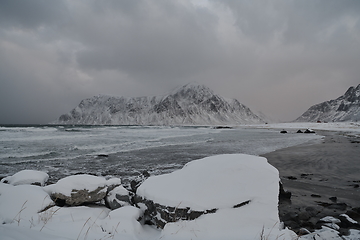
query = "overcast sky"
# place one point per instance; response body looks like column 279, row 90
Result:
column 278, row 57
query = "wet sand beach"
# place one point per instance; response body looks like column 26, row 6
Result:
column 323, row 178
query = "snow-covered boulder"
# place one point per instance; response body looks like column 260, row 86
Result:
column 325, row 233
column 123, row 222
column 347, row 221
column 112, row 183
column 78, row 189
column 118, row 197
column 233, row 194
column 22, row 203
column 309, row 130
column 330, row 222
column 29, row 177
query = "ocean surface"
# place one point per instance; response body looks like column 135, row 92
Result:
column 126, row 151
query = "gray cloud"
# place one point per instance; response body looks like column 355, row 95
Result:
column 278, row 56
column 32, row 14
column 163, row 41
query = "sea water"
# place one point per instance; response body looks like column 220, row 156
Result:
column 125, row 151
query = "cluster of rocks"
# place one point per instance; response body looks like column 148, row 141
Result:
column 336, row 217
column 308, row 219
column 87, row 189
column 76, row 190
column 84, row 189
column 308, row 130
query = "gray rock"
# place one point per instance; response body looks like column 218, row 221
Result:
column 118, row 197
column 112, row 183
column 347, row 222
column 303, row 231
column 78, row 189
column 309, row 131
column 79, row 196
column 283, row 195
column 304, row 216
column 159, row 215
column 312, row 211
column 135, row 183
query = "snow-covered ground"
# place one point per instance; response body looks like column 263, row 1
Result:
column 231, row 179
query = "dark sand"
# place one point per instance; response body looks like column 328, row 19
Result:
column 323, row 178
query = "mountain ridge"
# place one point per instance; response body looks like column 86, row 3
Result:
column 342, row 109
column 191, row 104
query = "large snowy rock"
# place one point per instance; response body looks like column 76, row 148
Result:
column 232, row 193
column 344, row 108
column 21, row 204
column 124, row 222
column 78, row 189
column 113, row 183
column 29, row 177
column 191, row 104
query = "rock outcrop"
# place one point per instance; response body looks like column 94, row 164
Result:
column 212, row 184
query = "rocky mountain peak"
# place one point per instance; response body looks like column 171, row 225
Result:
column 193, row 92
column 192, row 104
column 352, row 94
column 344, row 108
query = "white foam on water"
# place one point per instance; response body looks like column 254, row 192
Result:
column 77, row 150
column 32, row 142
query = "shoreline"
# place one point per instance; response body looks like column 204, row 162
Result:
column 322, row 177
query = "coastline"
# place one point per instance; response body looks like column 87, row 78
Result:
column 322, row 177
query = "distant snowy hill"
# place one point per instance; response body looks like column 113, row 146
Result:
column 191, row 104
column 345, row 108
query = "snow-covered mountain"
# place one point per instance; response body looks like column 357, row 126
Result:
column 191, row 104
column 344, row 108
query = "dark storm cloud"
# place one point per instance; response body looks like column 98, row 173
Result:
column 31, row 14
column 308, row 20
column 161, row 41
column 278, row 56
column 304, row 51
column 298, row 20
